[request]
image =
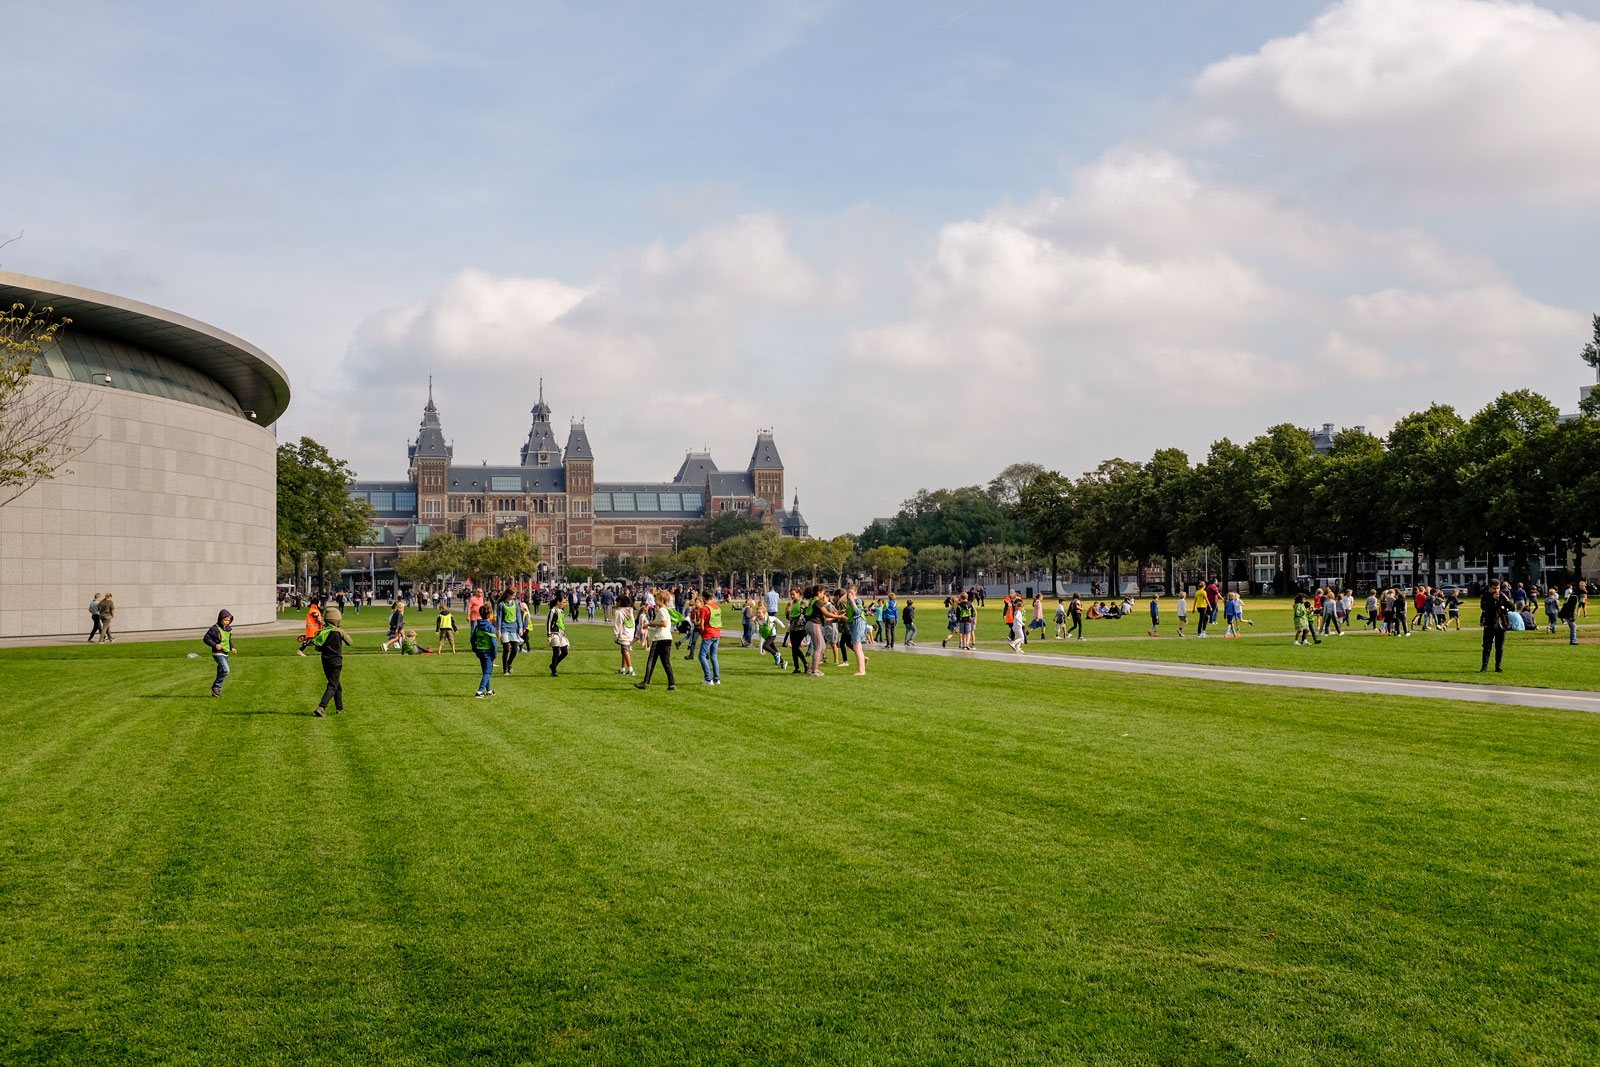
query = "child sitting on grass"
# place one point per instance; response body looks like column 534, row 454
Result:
column 409, row 645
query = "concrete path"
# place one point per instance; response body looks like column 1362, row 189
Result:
column 1523, row 696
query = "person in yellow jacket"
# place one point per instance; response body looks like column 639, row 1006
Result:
column 1202, row 610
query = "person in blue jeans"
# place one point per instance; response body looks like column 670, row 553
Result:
column 890, row 616
column 220, row 640
column 709, row 623
column 1569, row 611
column 486, row 645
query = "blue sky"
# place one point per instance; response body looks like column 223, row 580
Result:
column 920, row 241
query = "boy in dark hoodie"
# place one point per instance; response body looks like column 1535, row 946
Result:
column 330, row 641
column 220, row 640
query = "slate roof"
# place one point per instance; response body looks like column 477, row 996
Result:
column 697, row 469
column 536, row 479
column 764, row 457
column 733, row 483
column 578, row 443
column 430, row 442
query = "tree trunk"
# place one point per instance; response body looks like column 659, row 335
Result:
column 1116, row 574
column 1351, row 558
column 1433, row 568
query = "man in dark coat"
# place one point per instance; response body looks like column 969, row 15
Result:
column 1497, row 608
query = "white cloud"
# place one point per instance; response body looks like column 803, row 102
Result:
column 1454, row 99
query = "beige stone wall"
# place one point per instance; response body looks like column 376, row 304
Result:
column 173, row 509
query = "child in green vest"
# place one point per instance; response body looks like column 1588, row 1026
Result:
column 556, row 631
column 220, row 640
column 330, row 642
column 769, row 627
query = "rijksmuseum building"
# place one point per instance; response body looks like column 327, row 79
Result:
column 553, row 495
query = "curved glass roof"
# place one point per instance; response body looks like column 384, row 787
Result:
column 248, row 374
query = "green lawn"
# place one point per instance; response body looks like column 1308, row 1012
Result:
column 1533, row 658
column 944, row 862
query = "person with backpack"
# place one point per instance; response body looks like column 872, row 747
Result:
column 329, row 641
column 485, row 645
column 220, row 640
column 556, row 632
column 798, row 608
column 708, row 621
column 966, row 624
column 658, row 619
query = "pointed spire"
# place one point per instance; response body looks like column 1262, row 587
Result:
column 430, row 406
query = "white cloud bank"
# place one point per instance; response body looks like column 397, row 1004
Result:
column 1459, row 100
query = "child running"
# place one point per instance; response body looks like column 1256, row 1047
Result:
column 768, row 627
column 485, row 644
column 220, row 640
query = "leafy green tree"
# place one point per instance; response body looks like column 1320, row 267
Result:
column 1158, row 517
column 1006, row 488
column 1287, row 468
column 888, row 562
column 966, row 516
column 1106, row 501
column 39, row 428
column 695, row 560
column 715, row 530
column 1044, row 506
column 1508, row 450
column 1576, row 473
column 1348, row 502
column 317, row 517
column 939, row 561
column 836, row 556
column 1422, row 487
column 1224, row 503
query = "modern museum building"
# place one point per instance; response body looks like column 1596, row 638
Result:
column 169, row 501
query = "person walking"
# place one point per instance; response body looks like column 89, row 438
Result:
column 891, row 619
column 556, row 632
column 966, row 623
column 1303, row 627
column 1075, row 613
column 622, row 631
column 509, row 623
column 485, row 645
column 1330, row 615
column 94, row 618
column 108, row 611
column 1202, row 610
column 329, row 641
column 1155, row 617
column 1014, row 621
column 1496, row 607
column 220, row 640
column 1552, row 607
column 658, row 625
column 908, row 615
column 818, row 617
column 1182, row 611
column 708, row 621
column 1568, row 611
column 949, row 623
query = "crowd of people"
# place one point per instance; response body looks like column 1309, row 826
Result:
column 813, row 626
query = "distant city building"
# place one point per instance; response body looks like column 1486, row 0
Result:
column 553, row 495
column 1322, row 440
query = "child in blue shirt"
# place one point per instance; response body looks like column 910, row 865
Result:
column 1155, row 616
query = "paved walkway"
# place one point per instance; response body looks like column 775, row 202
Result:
column 1524, row 696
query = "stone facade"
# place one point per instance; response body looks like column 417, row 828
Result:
column 170, row 507
column 553, row 494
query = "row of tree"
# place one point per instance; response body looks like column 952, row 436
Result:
column 1513, row 480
